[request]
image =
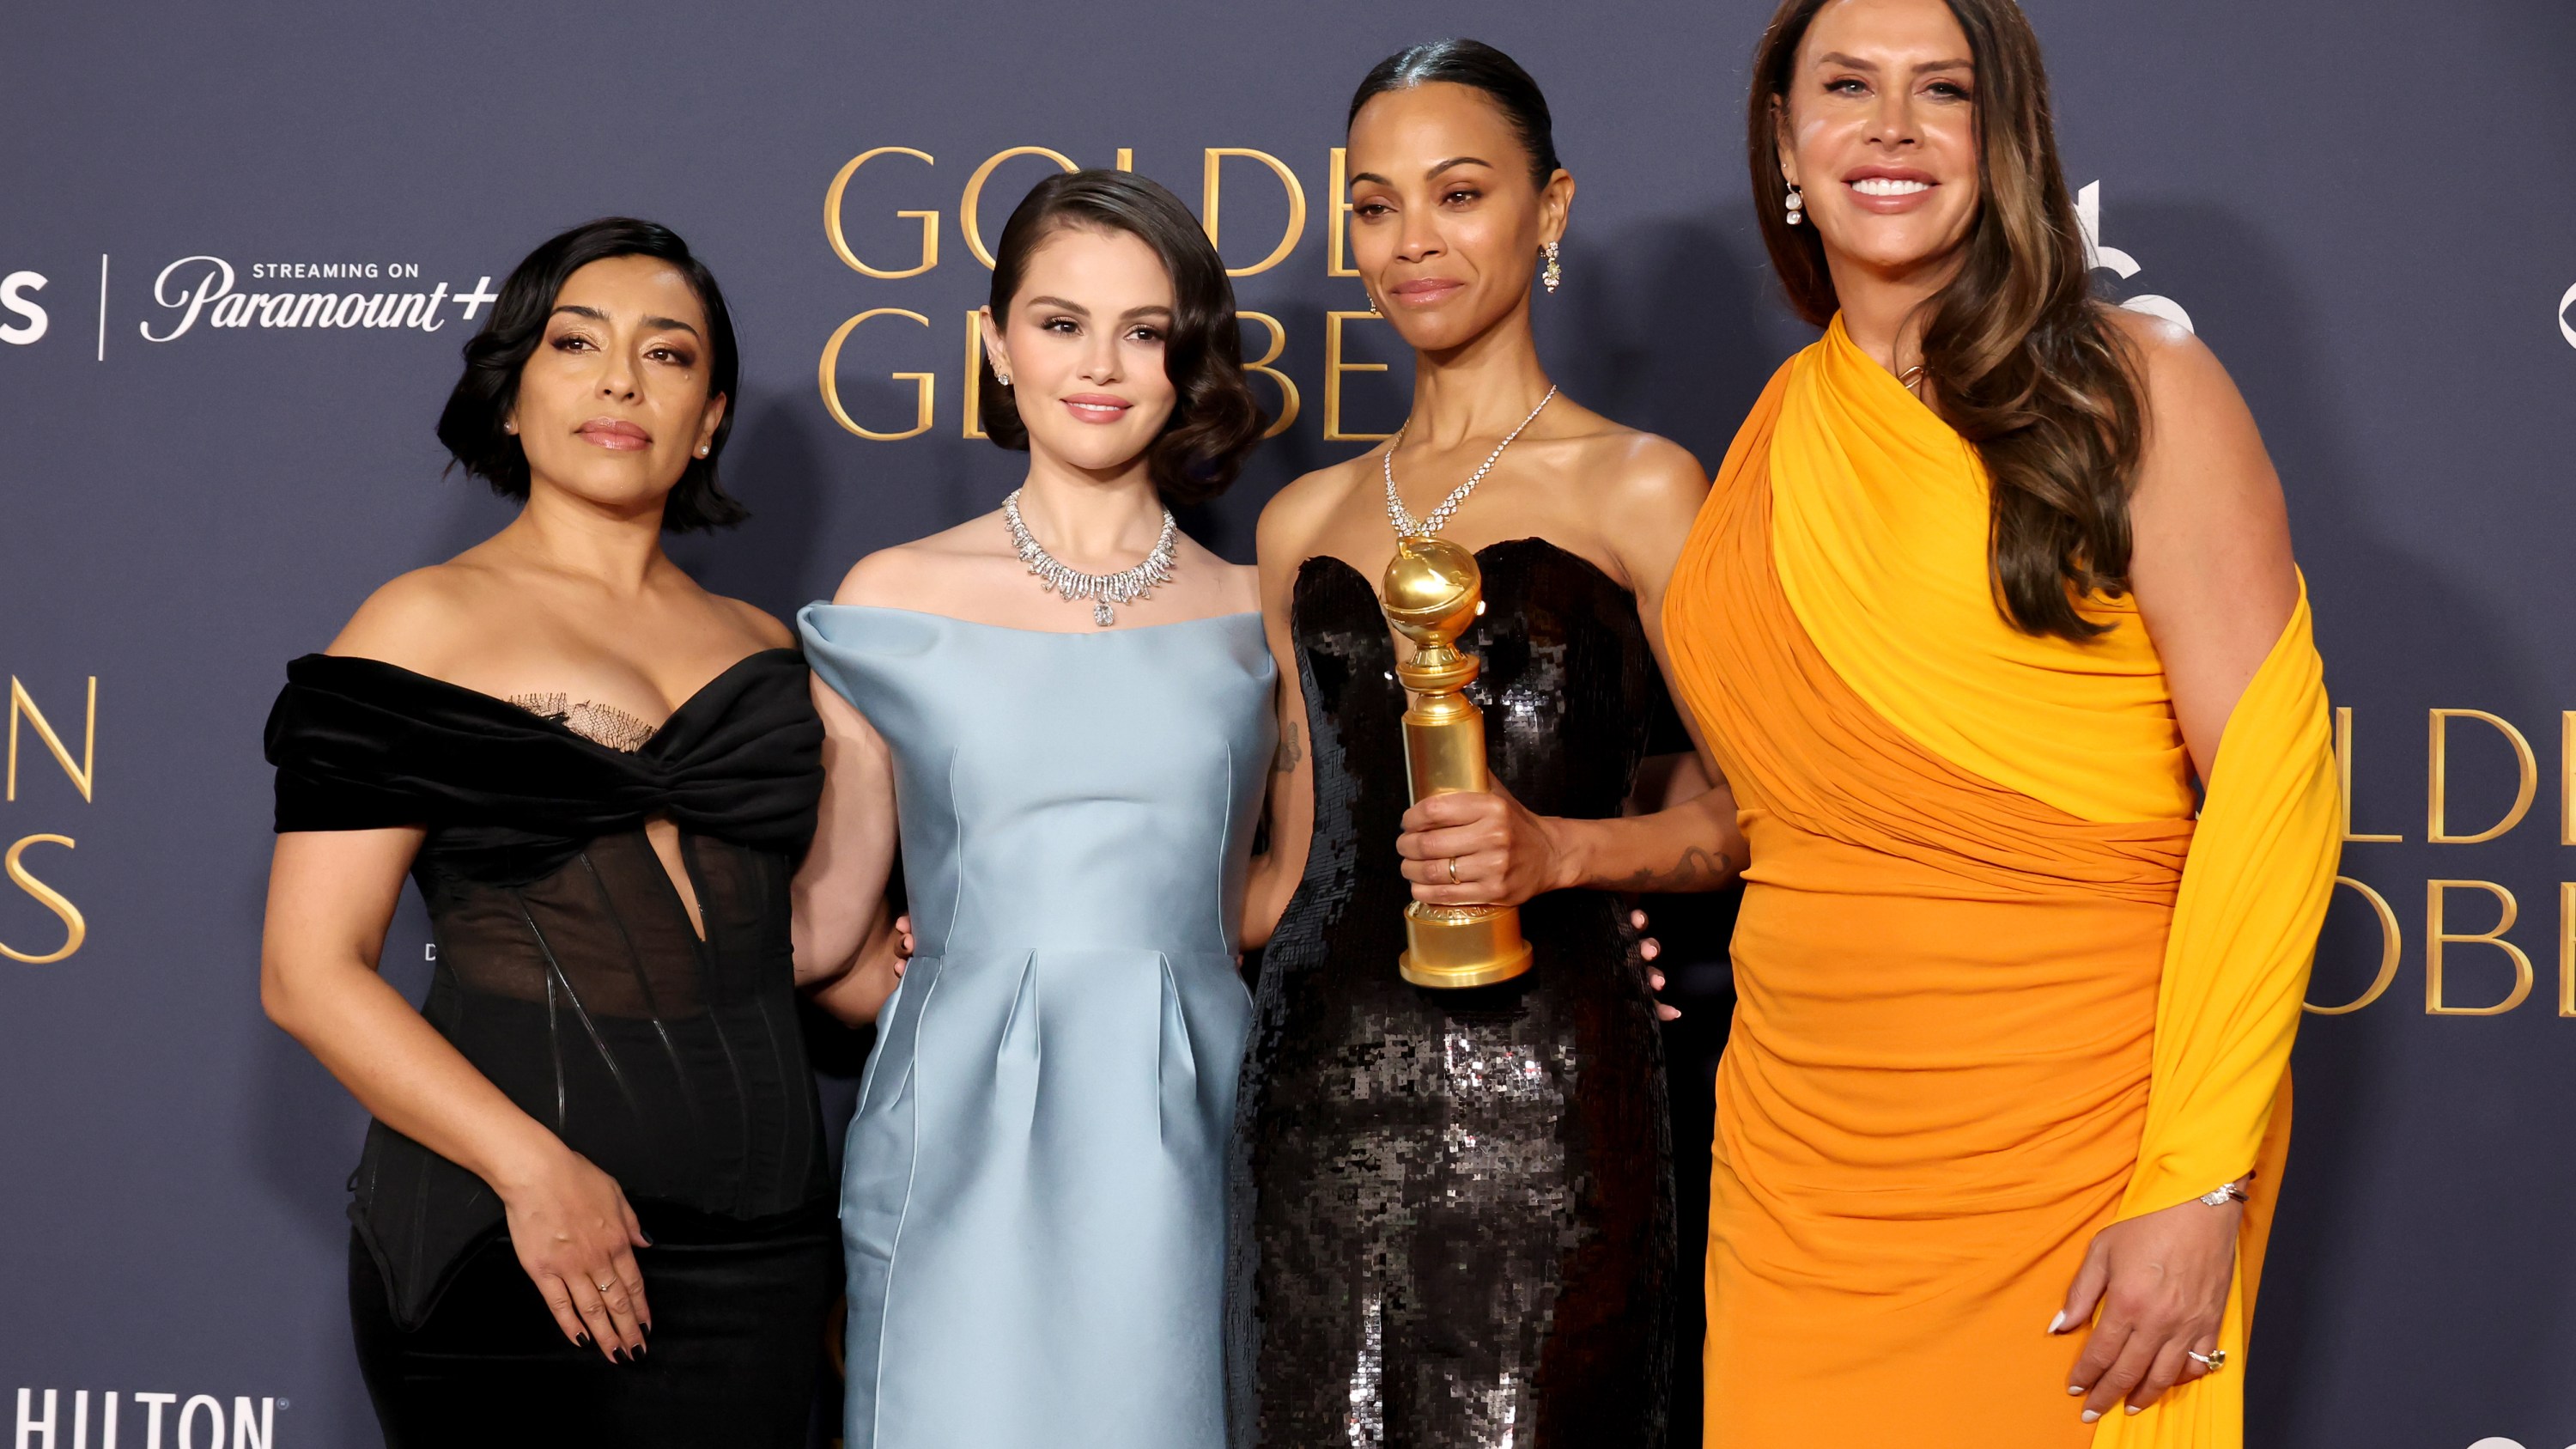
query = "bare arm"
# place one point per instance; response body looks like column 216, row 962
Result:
column 839, row 897
column 2215, row 584
column 331, row 896
column 1283, row 542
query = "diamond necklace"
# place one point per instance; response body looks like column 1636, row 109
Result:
column 1123, row 587
column 1408, row 526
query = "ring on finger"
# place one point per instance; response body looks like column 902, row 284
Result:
column 2210, row 1362
column 605, row 1287
column 1453, row 870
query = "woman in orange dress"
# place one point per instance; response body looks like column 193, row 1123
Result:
column 1991, row 623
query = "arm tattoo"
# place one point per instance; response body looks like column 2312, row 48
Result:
column 1697, row 870
column 1286, row 760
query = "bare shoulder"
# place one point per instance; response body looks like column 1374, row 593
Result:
column 2185, row 383
column 898, row 577
column 1649, row 472
column 1295, row 514
column 421, row 620
column 757, row 622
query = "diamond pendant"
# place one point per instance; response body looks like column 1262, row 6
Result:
column 1100, row 613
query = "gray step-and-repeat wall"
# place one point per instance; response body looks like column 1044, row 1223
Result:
column 2368, row 207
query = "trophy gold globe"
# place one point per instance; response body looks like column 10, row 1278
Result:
column 1431, row 592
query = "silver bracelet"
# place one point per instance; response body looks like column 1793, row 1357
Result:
column 2225, row 1193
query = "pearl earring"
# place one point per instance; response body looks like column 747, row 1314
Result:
column 702, row 450
column 511, row 428
column 1797, row 204
column 1003, row 378
column 1554, row 273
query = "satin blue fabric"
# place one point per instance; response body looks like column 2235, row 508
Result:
column 1033, row 1204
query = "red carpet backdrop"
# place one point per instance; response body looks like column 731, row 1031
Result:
column 241, row 245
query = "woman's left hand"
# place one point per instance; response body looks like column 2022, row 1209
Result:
column 1478, row 849
column 2161, row 1283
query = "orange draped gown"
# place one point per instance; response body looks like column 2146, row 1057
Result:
column 1997, row 986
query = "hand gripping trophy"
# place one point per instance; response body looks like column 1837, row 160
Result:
column 1431, row 592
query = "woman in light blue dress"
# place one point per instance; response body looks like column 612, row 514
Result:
column 1033, row 1205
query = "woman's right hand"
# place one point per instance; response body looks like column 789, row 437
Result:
column 576, row 1237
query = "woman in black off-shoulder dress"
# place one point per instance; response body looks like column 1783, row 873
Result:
column 1455, row 1223
column 594, row 1206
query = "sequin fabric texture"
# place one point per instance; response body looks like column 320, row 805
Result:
column 1455, row 1208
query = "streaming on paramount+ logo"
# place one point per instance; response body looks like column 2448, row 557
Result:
column 208, row 290
column 65, row 1419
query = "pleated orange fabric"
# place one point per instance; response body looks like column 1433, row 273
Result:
column 1946, row 1055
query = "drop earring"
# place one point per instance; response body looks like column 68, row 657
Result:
column 1554, row 273
column 1372, row 296
column 1797, row 204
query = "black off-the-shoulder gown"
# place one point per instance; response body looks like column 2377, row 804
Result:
column 1455, row 1220
column 569, row 974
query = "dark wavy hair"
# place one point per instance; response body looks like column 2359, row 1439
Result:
column 2024, row 362
column 1215, row 421
column 470, row 425
column 1471, row 63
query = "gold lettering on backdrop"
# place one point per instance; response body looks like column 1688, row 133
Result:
column 1287, row 388
column 1337, row 256
column 2437, row 772
column 2437, row 935
column 75, row 929
column 827, row 376
column 974, row 373
column 967, row 221
column 1334, row 367
column 2391, row 948
column 2567, row 777
column 1126, row 158
column 2567, row 948
column 1212, row 190
column 840, row 241
column 21, row 703
column 2343, row 765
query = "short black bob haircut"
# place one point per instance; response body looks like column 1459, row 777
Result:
column 470, row 425
column 1471, row 63
column 1215, row 421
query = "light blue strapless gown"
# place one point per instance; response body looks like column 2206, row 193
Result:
column 1034, row 1199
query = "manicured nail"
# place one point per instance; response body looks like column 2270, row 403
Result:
column 2075, row 1388
column 2135, row 1408
column 2058, row 1322
column 2092, row 1414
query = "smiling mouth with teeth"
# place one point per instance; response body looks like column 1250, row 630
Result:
column 1888, row 186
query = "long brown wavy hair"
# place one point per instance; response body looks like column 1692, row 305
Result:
column 2023, row 361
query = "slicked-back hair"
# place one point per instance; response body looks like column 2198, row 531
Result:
column 471, row 423
column 1471, row 63
column 2022, row 360
column 1215, row 420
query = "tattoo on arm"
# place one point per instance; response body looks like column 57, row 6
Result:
column 1290, row 752
column 1697, row 870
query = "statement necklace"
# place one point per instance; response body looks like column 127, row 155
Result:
column 1123, row 587
column 1408, row 526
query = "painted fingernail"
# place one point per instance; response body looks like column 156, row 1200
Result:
column 2092, row 1414
column 2136, row 1408
column 2075, row 1388
column 2056, row 1324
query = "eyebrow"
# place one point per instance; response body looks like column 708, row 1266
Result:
column 1434, row 171
column 655, row 324
column 1062, row 305
column 1856, row 63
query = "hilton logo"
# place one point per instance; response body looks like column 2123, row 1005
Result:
column 2088, row 212
column 60, row 1419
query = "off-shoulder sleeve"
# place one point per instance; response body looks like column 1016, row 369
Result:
column 338, row 764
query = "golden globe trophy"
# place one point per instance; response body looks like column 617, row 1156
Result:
column 1431, row 593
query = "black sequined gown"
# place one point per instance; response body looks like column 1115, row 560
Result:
column 1456, row 1222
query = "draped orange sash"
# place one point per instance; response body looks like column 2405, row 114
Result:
column 1995, row 987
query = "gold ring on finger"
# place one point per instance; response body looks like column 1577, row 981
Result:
column 2210, row 1362
column 604, row 1287
column 1453, row 870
